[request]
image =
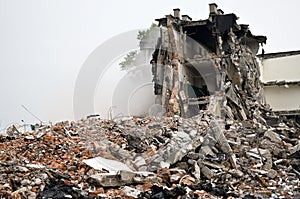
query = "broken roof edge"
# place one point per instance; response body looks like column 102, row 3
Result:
column 216, row 16
column 279, row 54
column 281, row 83
column 288, row 112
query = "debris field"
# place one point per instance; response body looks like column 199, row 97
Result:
column 153, row 157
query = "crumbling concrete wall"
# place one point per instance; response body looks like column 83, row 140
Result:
column 207, row 64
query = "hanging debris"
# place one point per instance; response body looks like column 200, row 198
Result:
column 212, row 60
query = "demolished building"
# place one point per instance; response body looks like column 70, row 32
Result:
column 218, row 139
column 196, row 61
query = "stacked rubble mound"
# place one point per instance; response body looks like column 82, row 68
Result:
column 153, row 157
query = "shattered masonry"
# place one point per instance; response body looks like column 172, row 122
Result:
column 198, row 61
column 218, row 139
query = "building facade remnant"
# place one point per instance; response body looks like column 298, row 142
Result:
column 281, row 79
column 206, row 64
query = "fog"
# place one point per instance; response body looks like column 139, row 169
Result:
column 45, row 45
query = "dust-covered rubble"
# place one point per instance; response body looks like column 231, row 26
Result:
column 152, row 157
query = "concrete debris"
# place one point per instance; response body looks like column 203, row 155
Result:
column 176, row 159
column 121, row 178
column 111, row 166
column 110, row 180
column 131, row 192
column 231, row 146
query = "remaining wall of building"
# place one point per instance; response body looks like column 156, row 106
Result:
column 281, row 98
column 281, row 68
column 280, row 73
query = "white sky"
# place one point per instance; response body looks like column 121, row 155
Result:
column 44, row 43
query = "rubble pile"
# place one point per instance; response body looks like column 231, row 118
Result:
column 153, row 157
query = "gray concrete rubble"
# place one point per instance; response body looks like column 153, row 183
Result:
column 121, row 178
column 220, row 141
column 166, row 156
column 111, row 166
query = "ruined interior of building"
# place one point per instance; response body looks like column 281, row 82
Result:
column 193, row 58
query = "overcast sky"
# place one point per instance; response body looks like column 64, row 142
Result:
column 44, row 43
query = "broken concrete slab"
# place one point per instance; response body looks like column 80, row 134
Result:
column 111, row 166
column 121, row 178
column 131, row 192
column 274, row 137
